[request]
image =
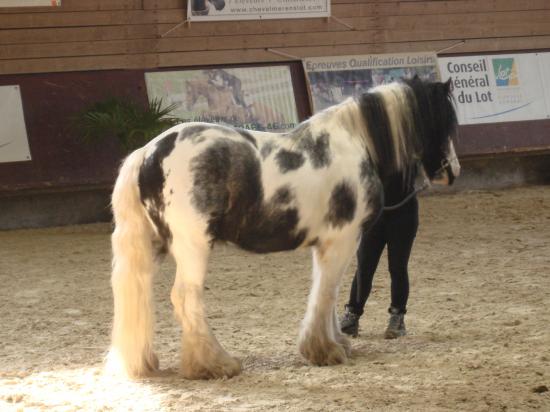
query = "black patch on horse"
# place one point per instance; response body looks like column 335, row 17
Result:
column 151, row 182
column 210, row 174
column 374, row 193
column 366, row 170
column 227, row 188
column 246, row 134
column 370, row 181
column 288, row 160
column 194, row 133
column 267, row 149
column 318, row 149
column 342, row 205
column 282, row 196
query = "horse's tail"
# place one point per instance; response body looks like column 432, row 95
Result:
column 133, row 267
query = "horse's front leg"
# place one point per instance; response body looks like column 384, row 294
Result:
column 320, row 340
column 202, row 356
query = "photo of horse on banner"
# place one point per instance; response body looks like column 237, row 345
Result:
column 257, row 98
column 220, row 101
column 316, row 186
column 203, row 7
column 229, row 106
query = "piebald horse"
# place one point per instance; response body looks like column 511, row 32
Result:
column 316, row 186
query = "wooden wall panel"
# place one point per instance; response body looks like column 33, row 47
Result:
column 59, row 157
column 67, row 57
column 80, row 5
column 62, row 35
column 126, row 33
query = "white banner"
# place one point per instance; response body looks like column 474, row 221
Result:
column 29, row 3
column 14, row 146
column 215, row 10
column 544, row 65
column 497, row 88
column 333, row 79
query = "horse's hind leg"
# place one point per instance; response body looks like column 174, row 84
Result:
column 320, row 340
column 202, row 356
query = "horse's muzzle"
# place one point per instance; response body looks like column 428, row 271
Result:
column 447, row 174
column 450, row 175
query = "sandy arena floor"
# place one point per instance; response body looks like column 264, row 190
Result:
column 479, row 322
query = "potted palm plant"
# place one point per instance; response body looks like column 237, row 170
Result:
column 128, row 122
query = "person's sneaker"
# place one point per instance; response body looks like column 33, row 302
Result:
column 396, row 324
column 349, row 322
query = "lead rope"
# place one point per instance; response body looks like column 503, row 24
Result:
column 426, row 184
column 445, row 163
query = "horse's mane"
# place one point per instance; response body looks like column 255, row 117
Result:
column 396, row 122
column 382, row 122
column 385, row 122
column 389, row 113
column 398, row 125
column 348, row 116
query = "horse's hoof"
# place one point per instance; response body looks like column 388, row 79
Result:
column 116, row 365
column 329, row 354
column 216, row 369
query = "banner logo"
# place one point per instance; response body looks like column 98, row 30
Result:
column 506, row 72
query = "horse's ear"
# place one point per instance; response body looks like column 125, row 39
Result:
column 448, row 85
column 416, row 77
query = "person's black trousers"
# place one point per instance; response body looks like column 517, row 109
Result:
column 396, row 229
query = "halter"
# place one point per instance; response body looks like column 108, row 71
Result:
column 446, row 164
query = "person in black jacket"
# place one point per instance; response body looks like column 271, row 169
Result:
column 395, row 229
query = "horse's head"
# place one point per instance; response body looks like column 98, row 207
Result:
column 437, row 126
column 196, row 88
column 218, row 4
